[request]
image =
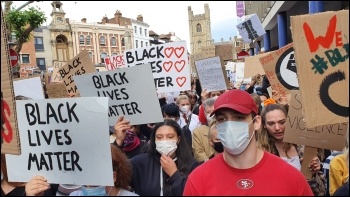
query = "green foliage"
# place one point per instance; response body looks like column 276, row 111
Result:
column 20, row 22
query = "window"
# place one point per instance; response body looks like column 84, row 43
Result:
column 145, row 32
column 115, row 54
column 25, row 58
column 237, row 44
column 88, row 40
column 146, row 44
column 141, row 42
column 40, row 63
column 135, row 28
column 102, row 41
column 38, row 30
column 113, row 41
column 103, row 55
column 123, row 42
column 81, row 40
column 38, row 43
column 13, row 37
column 199, row 28
column 140, row 30
column 90, row 54
column 137, row 43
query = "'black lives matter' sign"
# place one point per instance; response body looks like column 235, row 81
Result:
column 60, row 138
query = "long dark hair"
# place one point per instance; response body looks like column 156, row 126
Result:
column 183, row 152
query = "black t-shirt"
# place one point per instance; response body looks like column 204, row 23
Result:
column 20, row 191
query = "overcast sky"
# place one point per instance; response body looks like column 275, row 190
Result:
column 163, row 17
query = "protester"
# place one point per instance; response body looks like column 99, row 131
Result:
column 200, row 143
column 214, row 140
column 187, row 118
column 193, row 101
column 122, row 173
column 243, row 168
column 37, row 186
column 274, row 118
column 164, row 168
column 257, row 101
column 204, row 96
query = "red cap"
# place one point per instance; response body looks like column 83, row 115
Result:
column 238, row 100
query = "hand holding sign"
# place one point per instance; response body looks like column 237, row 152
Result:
column 120, row 129
column 36, row 186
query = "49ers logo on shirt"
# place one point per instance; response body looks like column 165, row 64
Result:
column 244, row 184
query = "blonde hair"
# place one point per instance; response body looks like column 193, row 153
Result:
column 181, row 98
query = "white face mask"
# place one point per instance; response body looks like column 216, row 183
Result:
column 184, row 109
column 209, row 118
column 166, row 147
column 234, row 136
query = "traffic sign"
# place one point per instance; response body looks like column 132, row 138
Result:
column 13, row 57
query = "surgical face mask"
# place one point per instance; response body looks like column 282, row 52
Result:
column 184, row 109
column 94, row 191
column 234, row 136
column 218, row 147
column 209, row 118
column 166, row 147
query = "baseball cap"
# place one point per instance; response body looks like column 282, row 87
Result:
column 238, row 100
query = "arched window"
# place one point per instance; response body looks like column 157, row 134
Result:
column 81, row 40
column 88, row 40
column 102, row 41
column 123, row 42
column 103, row 55
column 113, row 41
column 115, row 54
column 90, row 54
column 199, row 27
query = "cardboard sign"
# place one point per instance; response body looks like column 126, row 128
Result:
column 48, row 77
column 309, row 154
column 114, row 62
column 212, row 74
column 56, row 90
column 281, row 71
column 56, row 76
column 330, row 137
column 49, row 69
column 31, row 88
column 253, row 65
column 322, row 51
column 64, row 141
column 169, row 63
column 79, row 65
column 130, row 91
column 10, row 142
column 251, row 28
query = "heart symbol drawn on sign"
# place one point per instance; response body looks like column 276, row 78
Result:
column 179, row 51
column 180, row 81
column 167, row 66
column 168, row 51
column 180, row 65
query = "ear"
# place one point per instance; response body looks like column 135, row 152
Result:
column 114, row 176
column 178, row 140
column 211, row 142
column 257, row 123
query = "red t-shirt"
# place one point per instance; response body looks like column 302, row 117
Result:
column 201, row 115
column 271, row 176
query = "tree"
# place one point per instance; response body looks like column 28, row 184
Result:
column 22, row 23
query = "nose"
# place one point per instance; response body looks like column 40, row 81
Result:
column 277, row 127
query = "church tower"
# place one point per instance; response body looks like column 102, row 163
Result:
column 200, row 29
column 61, row 34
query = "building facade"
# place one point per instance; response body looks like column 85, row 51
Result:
column 140, row 32
column 200, row 29
column 43, row 47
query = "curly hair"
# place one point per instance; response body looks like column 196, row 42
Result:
column 266, row 140
column 122, row 167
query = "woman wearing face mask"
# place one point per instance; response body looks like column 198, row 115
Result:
column 121, row 174
column 187, row 118
column 163, row 169
column 214, row 140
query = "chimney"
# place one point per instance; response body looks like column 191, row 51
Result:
column 104, row 20
column 140, row 18
column 117, row 17
column 83, row 20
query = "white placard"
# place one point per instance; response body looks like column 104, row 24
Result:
column 31, row 88
column 64, row 140
column 169, row 63
column 114, row 62
column 210, row 73
column 251, row 28
column 131, row 93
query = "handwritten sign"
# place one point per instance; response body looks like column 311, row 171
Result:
column 326, row 136
column 251, row 28
column 212, row 74
column 79, row 65
column 56, row 90
column 322, row 50
column 63, row 140
column 31, row 88
column 281, row 71
column 169, row 63
column 114, row 62
column 130, row 91
column 239, row 75
column 56, row 76
column 10, row 142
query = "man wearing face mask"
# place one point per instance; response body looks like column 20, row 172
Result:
column 202, row 150
column 243, row 168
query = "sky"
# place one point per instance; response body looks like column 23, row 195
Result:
column 163, row 16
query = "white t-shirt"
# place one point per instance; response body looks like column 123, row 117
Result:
column 294, row 161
